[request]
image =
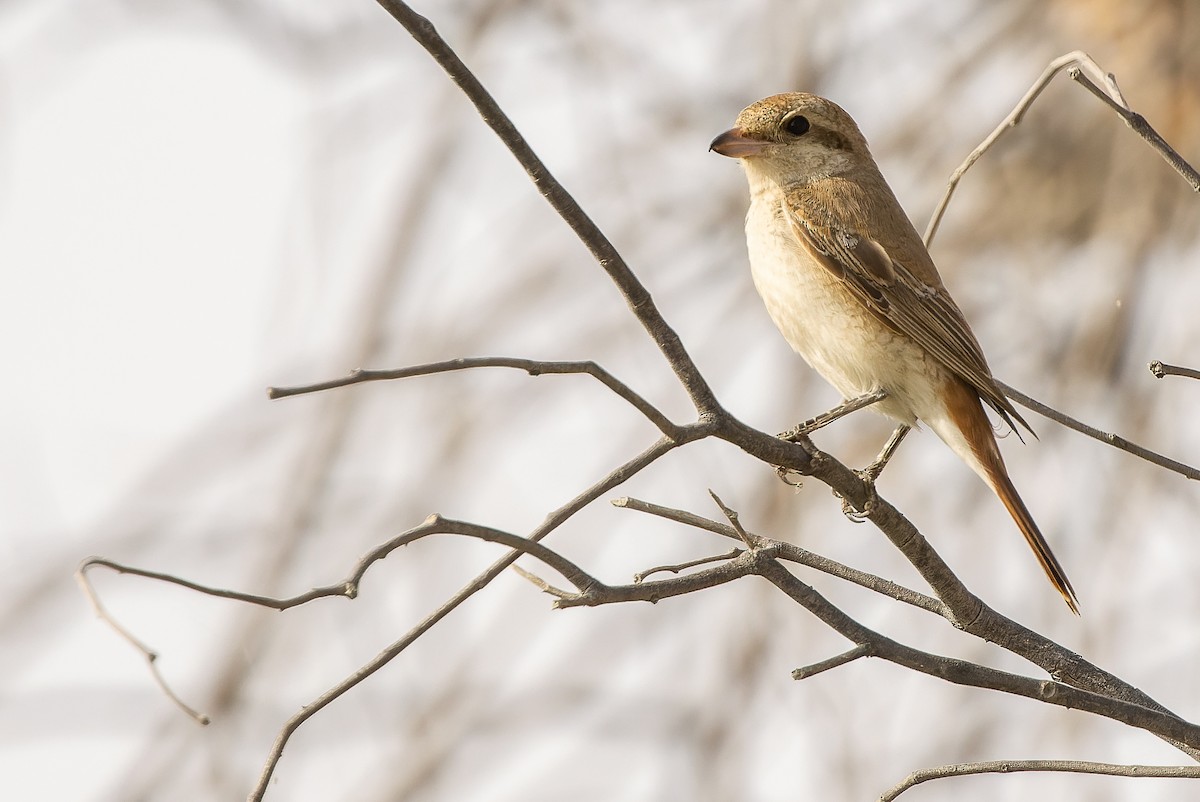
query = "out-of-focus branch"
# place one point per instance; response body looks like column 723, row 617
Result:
column 1011, row 766
column 1087, row 72
column 1137, row 122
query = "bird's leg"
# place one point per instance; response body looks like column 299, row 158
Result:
column 870, row 473
column 825, row 418
column 794, row 434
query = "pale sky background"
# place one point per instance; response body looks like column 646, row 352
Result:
column 199, row 199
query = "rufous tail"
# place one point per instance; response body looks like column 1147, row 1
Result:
column 977, row 431
column 1003, row 487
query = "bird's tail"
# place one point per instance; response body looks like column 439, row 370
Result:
column 977, row 431
column 1003, row 488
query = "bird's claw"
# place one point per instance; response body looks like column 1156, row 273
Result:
column 868, row 476
column 785, row 476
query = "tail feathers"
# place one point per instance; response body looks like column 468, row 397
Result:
column 1003, row 487
column 974, row 441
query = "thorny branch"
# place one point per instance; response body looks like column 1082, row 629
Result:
column 1075, row 682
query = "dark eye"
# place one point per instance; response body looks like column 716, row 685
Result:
column 797, row 126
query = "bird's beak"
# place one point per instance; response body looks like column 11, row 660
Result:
column 736, row 145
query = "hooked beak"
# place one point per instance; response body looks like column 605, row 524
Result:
column 736, row 145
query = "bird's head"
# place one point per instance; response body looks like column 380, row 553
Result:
column 794, row 138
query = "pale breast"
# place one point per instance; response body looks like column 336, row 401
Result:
column 834, row 333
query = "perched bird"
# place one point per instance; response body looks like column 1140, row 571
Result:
column 851, row 287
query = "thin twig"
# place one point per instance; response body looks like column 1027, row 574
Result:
column 540, row 583
column 962, row 672
column 732, row 516
column 746, row 563
column 843, row 409
column 1108, row 438
column 149, row 654
column 636, row 295
column 1140, row 127
column 1162, row 369
column 1011, row 121
column 534, row 367
column 1088, row 73
column 804, row 672
column 349, row 587
column 762, row 562
column 553, row 521
column 1011, row 766
column 677, row 568
column 796, row 554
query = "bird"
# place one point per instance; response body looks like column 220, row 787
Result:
column 850, row 285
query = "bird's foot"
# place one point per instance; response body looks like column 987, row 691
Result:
column 856, row 514
column 789, row 476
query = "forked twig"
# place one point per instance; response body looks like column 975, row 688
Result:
column 642, row 576
column 1086, row 72
column 149, row 654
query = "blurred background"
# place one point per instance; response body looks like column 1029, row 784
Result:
column 201, row 198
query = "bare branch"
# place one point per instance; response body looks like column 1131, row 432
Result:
column 1140, row 127
column 540, row 583
column 1011, row 121
column 1116, row 441
column 1162, row 369
column 1011, row 766
column 861, row 650
column 151, row 656
column 553, row 521
column 533, row 367
column 796, row 554
column 349, row 587
column 636, row 295
column 641, row 576
column 961, row 672
column 761, row 561
column 746, row 563
column 732, row 515
column 1081, row 67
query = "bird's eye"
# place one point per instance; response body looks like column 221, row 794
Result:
column 797, row 126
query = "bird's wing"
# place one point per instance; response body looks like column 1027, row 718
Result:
column 924, row 313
